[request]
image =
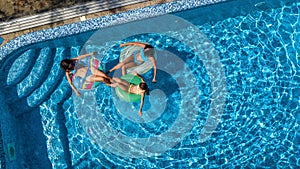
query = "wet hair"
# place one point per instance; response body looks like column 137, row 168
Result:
column 65, row 64
column 144, row 86
column 148, row 46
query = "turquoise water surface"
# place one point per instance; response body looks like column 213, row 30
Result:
column 242, row 72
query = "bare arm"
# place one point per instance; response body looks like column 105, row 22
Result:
column 142, row 104
column 134, row 44
column 154, row 68
column 84, row 56
column 71, row 84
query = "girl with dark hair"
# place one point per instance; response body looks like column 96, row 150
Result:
column 146, row 53
column 140, row 89
column 76, row 71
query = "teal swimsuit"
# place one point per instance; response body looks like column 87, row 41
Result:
column 142, row 55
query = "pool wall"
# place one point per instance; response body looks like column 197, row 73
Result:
column 19, row 127
column 23, row 141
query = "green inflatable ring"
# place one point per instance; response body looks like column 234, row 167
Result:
column 124, row 95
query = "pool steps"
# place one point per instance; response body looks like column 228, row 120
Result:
column 62, row 14
column 39, row 92
column 31, row 87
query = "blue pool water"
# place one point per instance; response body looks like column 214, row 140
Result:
column 227, row 94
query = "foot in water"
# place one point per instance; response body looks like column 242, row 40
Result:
column 108, row 72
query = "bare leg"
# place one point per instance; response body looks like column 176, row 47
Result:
column 114, row 85
column 119, row 65
column 97, row 72
column 126, row 66
column 120, row 81
column 123, row 87
column 99, row 76
column 94, row 78
column 117, row 82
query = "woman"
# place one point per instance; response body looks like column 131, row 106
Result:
column 139, row 57
column 77, row 71
column 140, row 89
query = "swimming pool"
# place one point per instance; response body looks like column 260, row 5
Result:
column 227, row 94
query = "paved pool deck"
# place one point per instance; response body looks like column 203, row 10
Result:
column 8, row 37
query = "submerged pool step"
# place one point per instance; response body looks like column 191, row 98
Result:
column 62, row 14
column 38, row 74
column 53, row 80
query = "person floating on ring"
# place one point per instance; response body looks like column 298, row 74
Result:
column 139, row 89
column 81, row 73
column 137, row 58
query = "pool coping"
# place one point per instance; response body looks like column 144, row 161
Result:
column 61, row 14
column 101, row 22
column 89, row 15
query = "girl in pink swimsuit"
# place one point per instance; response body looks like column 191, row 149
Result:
column 79, row 73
